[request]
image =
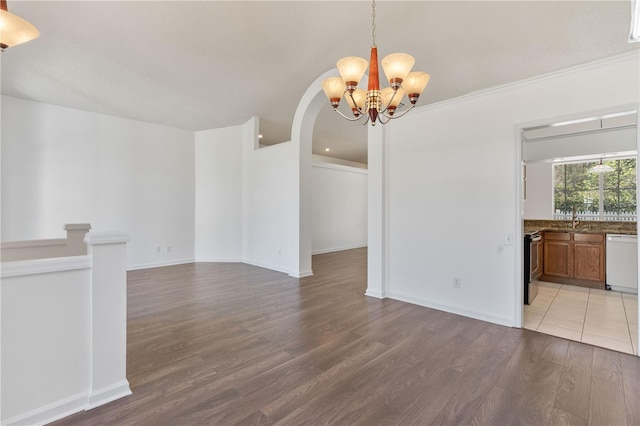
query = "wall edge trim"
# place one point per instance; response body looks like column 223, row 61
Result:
column 538, row 78
column 44, row 266
column 107, row 394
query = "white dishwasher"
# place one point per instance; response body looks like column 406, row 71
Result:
column 622, row 262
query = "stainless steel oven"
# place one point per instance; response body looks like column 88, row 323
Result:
column 531, row 266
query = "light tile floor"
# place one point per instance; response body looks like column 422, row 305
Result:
column 598, row 317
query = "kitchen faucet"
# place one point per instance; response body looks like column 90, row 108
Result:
column 574, row 218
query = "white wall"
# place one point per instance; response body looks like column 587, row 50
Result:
column 64, row 331
column 218, row 198
column 324, row 159
column 339, row 207
column 32, row 329
column 454, row 175
column 269, row 208
column 61, row 165
column 539, row 202
column 599, row 142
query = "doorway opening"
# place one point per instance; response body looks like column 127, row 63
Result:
column 574, row 220
column 333, row 179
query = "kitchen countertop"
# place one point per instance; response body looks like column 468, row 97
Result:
column 586, row 227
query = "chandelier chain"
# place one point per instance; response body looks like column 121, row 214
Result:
column 373, row 22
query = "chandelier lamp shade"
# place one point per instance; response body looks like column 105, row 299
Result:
column 377, row 105
column 13, row 29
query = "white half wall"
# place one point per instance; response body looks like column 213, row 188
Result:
column 42, row 326
column 339, row 207
column 269, row 202
column 539, row 201
column 454, row 186
column 62, row 165
column 218, row 197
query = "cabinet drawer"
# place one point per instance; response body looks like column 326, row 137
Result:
column 589, row 238
column 557, row 236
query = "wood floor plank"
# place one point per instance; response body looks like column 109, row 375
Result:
column 606, row 365
column 229, row 343
column 500, row 407
column 631, row 387
column 561, row 418
column 607, row 403
column 574, row 392
column 463, row 406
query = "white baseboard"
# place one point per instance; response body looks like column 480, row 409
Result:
column 71, row 405
column 331, row 250
column 108, row 394
column 266, row 266
column 375, row 293
column 159, row 264
column 301, row 274
column 482, row 316
column 51, row 412
column 217, row 260
column 630, row 290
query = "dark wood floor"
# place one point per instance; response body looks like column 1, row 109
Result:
column 235, row 344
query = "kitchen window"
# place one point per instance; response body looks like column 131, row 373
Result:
column 596, row 196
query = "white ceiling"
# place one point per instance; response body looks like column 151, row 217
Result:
column 207, row 64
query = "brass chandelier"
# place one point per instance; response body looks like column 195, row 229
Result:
column 375, row 104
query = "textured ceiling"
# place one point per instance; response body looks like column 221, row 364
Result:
column 208, row 64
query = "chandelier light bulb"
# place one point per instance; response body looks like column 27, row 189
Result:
column 391, row 99
column 351, row 69
column 333, row 88
column 415, row 83
column 396, row 67
column 360, row 98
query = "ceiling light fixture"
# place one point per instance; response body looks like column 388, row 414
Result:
column 13, row 29
column 600, row 168
column 375, row 103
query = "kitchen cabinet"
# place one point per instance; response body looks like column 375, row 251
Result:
column 574, row 258
column 589, row 257
column 558, row 256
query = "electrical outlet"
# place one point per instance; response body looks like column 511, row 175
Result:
column 168, row 249
column 158, row 249
column 508, row 239
column 457, row 282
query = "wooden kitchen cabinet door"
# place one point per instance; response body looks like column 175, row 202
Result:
column 558, row 258
column 588, row 261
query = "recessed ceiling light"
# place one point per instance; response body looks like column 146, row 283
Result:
column 259, row 136
column 327, row 149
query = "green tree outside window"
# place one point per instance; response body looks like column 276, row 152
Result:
column 575, row 186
